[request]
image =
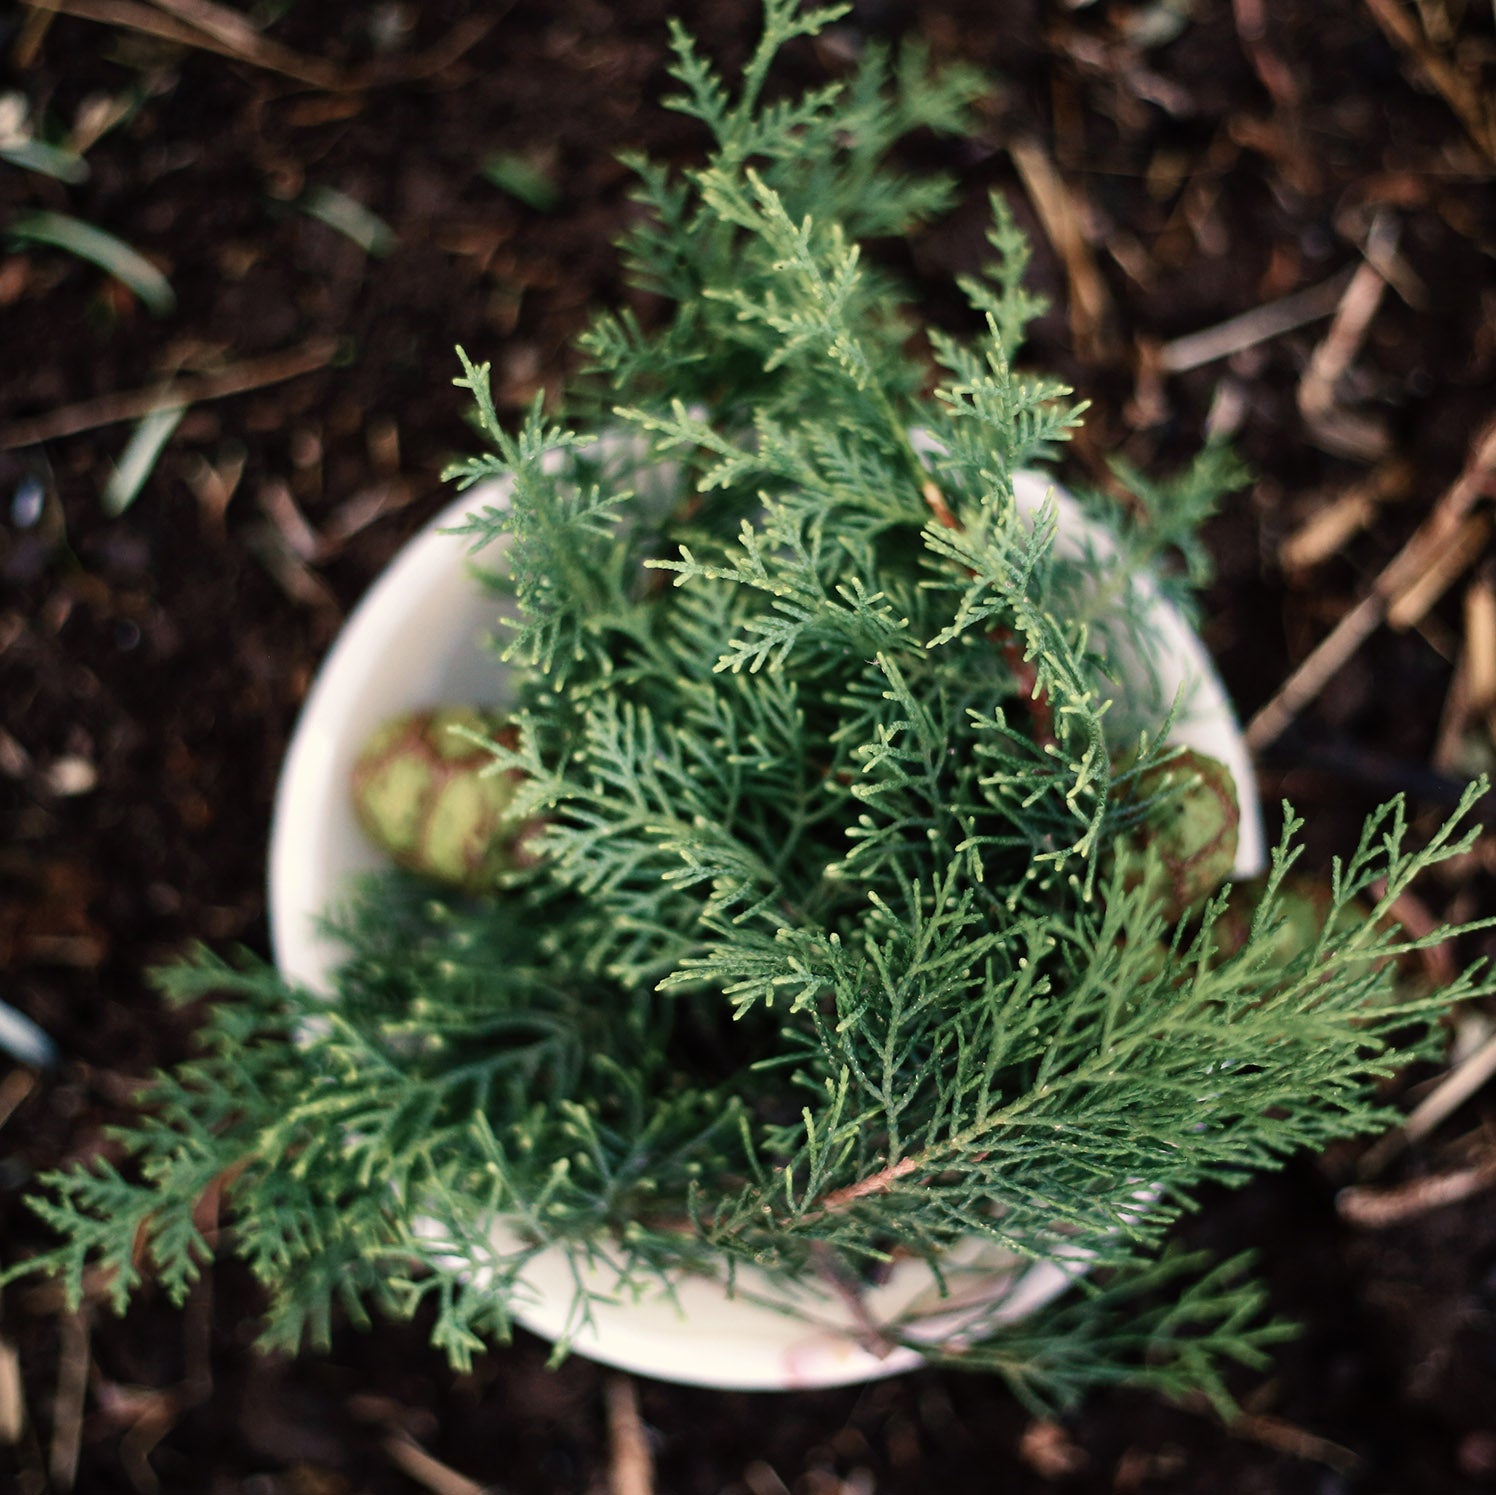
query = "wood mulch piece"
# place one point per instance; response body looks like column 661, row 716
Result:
column 1275, row 222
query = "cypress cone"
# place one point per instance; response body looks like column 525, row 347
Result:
column 430, row 797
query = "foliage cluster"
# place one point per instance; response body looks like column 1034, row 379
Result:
column 845, row 944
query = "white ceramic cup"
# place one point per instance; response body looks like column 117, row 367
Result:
column 420, row 638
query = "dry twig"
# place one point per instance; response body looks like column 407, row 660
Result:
column 108, row 410
column 1260, row 325
column 67, row 1409
column 1327, row 530
column 1401, row 573
column 1462, row 1082
column 1375, row 1208
column 128, row 15
column 868, row 1332
column 1335, row 429
column 1462, row 549
column 425, row 1469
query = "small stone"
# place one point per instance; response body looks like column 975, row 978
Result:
column 431, row 798
column 1304, row 904
column 71, row 776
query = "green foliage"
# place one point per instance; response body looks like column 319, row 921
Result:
column 838, row 949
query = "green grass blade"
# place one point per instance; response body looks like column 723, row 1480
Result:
column 138, row 459
column 522, row 179
column 351, row 219
column 111, row 255
column 48, row 160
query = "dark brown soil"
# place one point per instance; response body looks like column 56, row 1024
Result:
column 151, row 665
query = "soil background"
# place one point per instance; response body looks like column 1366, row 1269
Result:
column 1179, row 164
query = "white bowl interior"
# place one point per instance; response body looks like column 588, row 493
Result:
column 420, row 638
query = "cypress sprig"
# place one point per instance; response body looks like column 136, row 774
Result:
column 846, row 940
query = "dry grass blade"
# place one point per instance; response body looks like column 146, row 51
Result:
column 1091, row 315
column 763, row 1479
column 108, row 410
column 33, row 33
column 1260, row 325
column 1420, row 553
column 218, row 21
column 630, row 1464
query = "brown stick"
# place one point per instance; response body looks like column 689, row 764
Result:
column 1480, row 647
column 938, row 506
column 108, row 410
column 1400, row 573
column 1283, row 1436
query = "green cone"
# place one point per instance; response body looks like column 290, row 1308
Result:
column 1193, row 830
column 432, row 799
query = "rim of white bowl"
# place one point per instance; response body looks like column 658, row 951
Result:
column 418, row 639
